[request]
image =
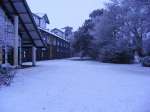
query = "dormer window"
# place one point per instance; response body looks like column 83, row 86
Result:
column 41, row 20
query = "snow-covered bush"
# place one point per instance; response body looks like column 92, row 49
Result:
column 119, row 52
column 146, row 61
column 7, row 73
column 93, row 53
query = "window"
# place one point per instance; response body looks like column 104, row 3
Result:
column 42, row 23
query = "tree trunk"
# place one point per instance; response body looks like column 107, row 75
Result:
column 139, row 45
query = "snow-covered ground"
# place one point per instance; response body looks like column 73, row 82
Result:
column 78, row 86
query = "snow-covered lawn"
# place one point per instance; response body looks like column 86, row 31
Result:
column 78, row 86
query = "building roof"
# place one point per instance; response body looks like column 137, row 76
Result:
column 56, row 29
column 27, row 26
column 53, row 34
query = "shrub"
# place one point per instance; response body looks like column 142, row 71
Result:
column 146, row 61
column 120, row 52
column 7, row 73
column 146, row 47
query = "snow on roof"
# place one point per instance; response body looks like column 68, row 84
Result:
column 56, row 29
column 52, row 33
column 40, row 14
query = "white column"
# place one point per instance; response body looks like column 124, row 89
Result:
column 6, row 55
column 20, row 51
column 16, row 41
column 34, row 56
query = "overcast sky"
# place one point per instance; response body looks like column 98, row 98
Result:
column 65, row 12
